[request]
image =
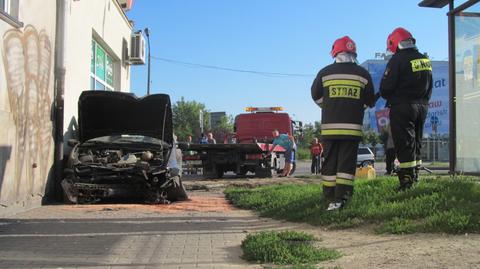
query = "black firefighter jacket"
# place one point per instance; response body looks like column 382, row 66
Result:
column 343, row 90
column 407, row 78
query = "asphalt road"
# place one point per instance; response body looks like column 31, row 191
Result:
column 303, row 169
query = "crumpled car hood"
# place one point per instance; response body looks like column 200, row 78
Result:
column 106, row 113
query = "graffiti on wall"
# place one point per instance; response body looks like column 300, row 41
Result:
column 27, row 57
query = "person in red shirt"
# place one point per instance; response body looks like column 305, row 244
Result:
column 316, row 150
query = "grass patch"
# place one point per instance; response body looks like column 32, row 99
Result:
column 296, row 266
column 287, row 247
column 435, row 205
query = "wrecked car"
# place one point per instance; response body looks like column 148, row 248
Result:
column 126, row 149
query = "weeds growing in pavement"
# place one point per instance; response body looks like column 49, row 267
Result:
column 434, row 205
column 287, row 247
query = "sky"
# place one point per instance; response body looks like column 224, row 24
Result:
column 273, row 36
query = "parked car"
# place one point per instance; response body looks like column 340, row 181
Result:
column 126, row 148
column 365, row 156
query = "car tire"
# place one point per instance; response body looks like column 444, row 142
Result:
column 263, row 172
column 367, row 163
column 209, row 172
column 243, row 172
column 219, row 172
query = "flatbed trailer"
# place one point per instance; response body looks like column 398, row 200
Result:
column 238, row 158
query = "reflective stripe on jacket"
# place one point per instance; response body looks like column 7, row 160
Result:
column 343, row 90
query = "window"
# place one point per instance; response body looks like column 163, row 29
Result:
column 363, row 151
column 467, row 84
column 101, row 68
column 9, row 12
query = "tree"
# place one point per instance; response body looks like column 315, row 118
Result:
column 186, row 119
column 310, row 131
column 371, row 137
column 223, row 129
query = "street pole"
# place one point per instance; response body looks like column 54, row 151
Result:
column 147, row 33
column 201, row 121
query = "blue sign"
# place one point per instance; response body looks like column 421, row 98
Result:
column 438, row 106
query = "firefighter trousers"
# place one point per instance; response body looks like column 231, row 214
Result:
column 406, row 121
column 390, row 160
column 338, row 169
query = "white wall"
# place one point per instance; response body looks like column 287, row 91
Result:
column 26, row 95
column 105, row 20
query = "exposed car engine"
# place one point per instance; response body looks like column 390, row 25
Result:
column 103, row 173
column 125, row 149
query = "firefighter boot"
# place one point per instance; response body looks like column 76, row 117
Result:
column 328, row 196
column 406, row 178
column 416, row 175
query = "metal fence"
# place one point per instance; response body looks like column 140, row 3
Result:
column 435, row 149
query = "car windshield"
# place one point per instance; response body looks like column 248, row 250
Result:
column 363, row 151
column 128, row 139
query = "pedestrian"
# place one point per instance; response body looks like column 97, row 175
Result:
column 407, row 87
column 389, row 151
column 211, row 139
column 342, row 90
column 316, row 150
column 189, row 139
column 203, row 139
column 288, row 143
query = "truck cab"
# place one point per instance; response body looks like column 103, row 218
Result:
column 249, row 152
column 258, row 125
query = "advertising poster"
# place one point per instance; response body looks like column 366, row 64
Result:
column 377, row 117
column 382, row 119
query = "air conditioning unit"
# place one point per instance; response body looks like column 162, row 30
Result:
column 126, row 5
column 137, row 49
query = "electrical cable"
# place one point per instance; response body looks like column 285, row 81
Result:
column 214, row 67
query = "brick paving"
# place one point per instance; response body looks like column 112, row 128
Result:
column 129, row 236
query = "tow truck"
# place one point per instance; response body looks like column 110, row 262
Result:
column 250, row 151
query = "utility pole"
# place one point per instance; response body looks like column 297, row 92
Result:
column 201, row 120
column 147, row 33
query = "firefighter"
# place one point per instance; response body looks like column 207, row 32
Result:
column 407, row 87
column 342, row 90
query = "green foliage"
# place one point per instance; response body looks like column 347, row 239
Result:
column 287, row 247
column 296, row 266
column 435, row 204
column 225, row 125
column 186, row 118
column 224, row 129
column 397, row 226
column 310, row 131
column 370, row 137
column 303, row 153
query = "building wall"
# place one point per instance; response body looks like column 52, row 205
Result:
column 26, row 95
column 104, row 21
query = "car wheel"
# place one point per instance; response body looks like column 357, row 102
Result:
column 243, row 171
column 263, row 172
column 366, row 163
column 209, row 172
column 219, row 172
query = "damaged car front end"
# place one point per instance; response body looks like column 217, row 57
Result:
column 125, row 149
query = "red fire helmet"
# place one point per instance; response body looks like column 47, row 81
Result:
column 344, row 44
column 398, row 35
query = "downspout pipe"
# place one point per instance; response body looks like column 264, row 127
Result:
column 59, row 92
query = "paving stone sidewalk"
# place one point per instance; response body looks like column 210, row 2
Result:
column 203, row 233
